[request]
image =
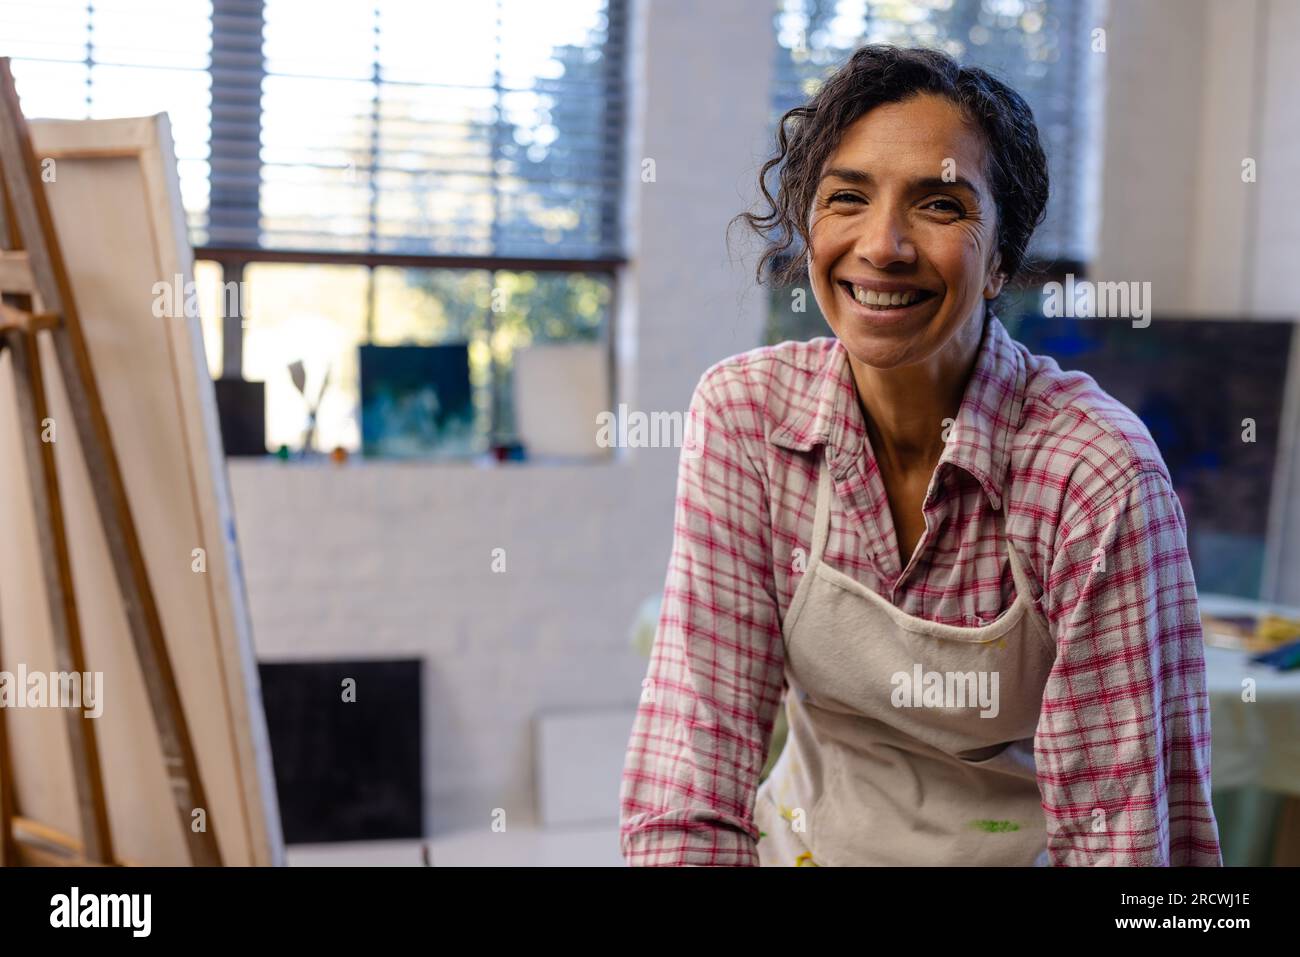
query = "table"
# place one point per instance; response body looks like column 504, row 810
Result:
column 1255, row 750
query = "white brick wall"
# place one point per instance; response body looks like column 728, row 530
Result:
column 388, row 560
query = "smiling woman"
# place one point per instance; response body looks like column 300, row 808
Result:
column 918, row 494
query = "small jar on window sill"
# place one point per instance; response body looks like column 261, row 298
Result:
column 508, row 451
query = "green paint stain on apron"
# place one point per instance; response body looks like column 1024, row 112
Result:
column 996, row 827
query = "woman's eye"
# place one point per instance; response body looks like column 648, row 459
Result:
column 947, row 206
column 845, row 198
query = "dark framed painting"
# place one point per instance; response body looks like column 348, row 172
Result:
column 1196, row 384
column 417, row 401
column 346, row 745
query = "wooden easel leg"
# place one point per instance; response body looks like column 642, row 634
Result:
column 8, row 811
column 8, row 800
column 47, row 504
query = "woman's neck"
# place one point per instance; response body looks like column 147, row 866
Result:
column 905, row 408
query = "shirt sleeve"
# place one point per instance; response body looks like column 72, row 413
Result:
column 704, row 721
column 1123, row 739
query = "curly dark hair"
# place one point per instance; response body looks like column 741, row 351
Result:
column 878, row 74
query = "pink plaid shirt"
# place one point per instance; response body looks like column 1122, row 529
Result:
column 1123, row 741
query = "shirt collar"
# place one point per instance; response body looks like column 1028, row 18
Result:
column 978, row 442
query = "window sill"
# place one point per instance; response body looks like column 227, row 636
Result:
column 484, row 462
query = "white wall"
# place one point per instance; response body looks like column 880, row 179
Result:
column 1274, row 251
column 387, row 559
column 1153, row 68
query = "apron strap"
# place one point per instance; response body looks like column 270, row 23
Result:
column 822, row 515
column 1024, row 584
column 1024, row 587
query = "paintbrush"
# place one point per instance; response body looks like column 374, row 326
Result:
column 298, row 373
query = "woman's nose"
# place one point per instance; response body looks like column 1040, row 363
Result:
column 884, row 238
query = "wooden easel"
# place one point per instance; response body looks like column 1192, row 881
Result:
column 35, row 298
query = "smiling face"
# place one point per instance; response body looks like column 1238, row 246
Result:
column 902, row 258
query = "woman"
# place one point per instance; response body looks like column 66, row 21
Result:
column 967, row 566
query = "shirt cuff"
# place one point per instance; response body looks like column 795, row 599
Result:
column 681, row 839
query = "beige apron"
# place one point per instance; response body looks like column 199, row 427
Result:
column 910, row 742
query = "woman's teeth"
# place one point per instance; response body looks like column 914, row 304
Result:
column 886, row 300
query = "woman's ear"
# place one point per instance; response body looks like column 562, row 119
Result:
column 993, row 285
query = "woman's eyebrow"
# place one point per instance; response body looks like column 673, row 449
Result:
column 938, row 182
column 863, row 178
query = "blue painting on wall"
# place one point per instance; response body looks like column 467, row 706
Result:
column 416, row 402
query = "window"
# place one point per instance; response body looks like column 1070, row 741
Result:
column 1039, row 47
column 316, row 315
column 378, row 171
column 437, row 126
column 74, row 59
